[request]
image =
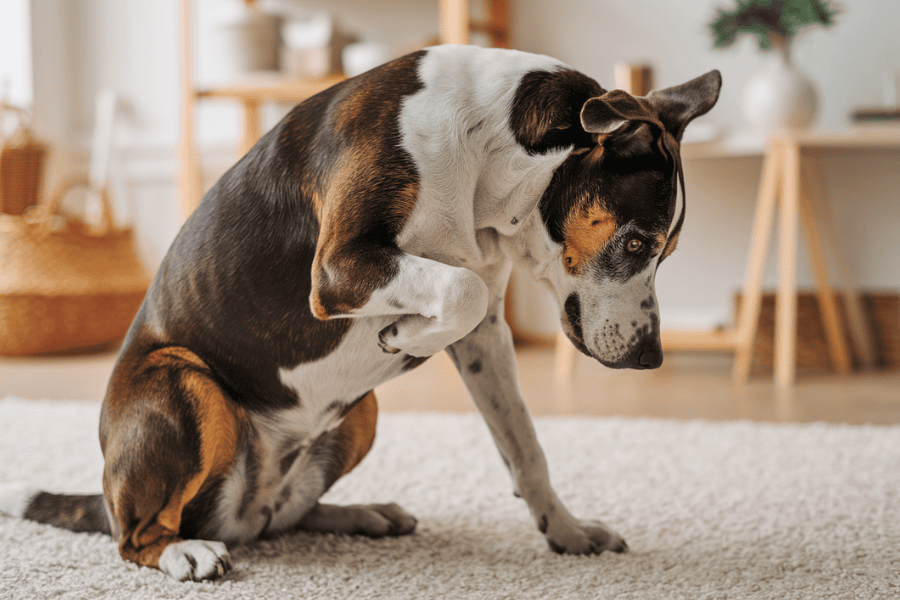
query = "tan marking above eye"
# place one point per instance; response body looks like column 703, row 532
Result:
column 586, row 233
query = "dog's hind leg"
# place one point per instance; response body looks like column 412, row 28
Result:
column 166, row 440
column 338, row 452
column 486, row 361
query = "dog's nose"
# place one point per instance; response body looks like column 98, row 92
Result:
column 651, row 356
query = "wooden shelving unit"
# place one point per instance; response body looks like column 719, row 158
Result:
column 455, row 26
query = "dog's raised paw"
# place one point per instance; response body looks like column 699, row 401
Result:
column 390, row 330
column 586, row 537
column 195, row 560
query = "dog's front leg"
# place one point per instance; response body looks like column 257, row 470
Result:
column 486, row 361
column 435, row 304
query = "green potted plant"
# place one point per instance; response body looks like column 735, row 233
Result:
column 779, row 96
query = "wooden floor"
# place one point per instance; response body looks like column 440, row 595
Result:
column 687, row 386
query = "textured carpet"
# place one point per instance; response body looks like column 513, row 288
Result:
column 734, row 510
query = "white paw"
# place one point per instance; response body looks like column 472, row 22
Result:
column 195, row 560
column 416, row 335
column 584, row 537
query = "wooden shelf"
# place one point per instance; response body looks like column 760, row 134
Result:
column 276, row 88
column 273, row 87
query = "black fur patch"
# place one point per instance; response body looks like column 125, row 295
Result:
column 546, row 110
column 76, row 513
column 573, row 316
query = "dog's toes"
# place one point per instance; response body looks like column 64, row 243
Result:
column 390, row 330
column 403, row 522
column 380, row 520
column 195, row 560
column 586, row 537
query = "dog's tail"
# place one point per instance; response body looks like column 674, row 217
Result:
column 69, row 511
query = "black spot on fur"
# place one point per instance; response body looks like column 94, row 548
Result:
column 542, row 524
column 396, row 304
column 492, row 319
column 475, row 127
column 288, row 460
column 475, row 367
column 648, row 303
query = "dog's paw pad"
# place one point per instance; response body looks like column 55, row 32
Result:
column 195, row 560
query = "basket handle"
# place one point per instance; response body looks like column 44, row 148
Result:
column 49, row 208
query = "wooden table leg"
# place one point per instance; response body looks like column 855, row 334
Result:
column 249, row 125
column 859, row 330
column 786, row 301
column 834, row 332
column 454, row 16
column 190, row 186
column 564, row 367
column 748, row 318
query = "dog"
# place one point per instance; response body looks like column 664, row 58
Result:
column 375, row 226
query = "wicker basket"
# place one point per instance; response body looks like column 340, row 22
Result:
column 880, row 310
column 63, row 284
column 21, row 167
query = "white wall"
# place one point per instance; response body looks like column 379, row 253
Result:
column 132, row 46
column 15, row 51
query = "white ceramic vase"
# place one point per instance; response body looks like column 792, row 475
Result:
column 780, row 96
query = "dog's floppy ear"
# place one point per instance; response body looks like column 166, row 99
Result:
column 677, row 106
column 622, row 123
column 606, row 113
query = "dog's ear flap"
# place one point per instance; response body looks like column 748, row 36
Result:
column 622, row 123
column 612, row 110
column 677, row 106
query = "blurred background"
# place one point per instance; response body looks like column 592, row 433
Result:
column 154, row 100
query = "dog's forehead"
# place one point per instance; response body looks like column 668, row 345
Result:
column 640, row 193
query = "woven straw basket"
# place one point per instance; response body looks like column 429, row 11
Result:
column 21, row 165
column 64, row 284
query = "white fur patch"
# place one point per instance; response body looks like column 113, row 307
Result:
column 15, row 497
column 195, row 560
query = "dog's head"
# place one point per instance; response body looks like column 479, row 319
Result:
column 614, row 210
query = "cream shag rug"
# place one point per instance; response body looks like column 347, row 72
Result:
column 710, row 510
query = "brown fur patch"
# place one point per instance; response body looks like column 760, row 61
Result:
column 371, row 193
column 586, row 233
column 149, row 486
column 358, row 431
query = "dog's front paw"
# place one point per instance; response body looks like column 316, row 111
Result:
column 585, row 537
column 195, row 560
column 384, row 334
column 416, row 335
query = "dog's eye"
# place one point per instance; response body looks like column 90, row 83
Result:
column 634, row 245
